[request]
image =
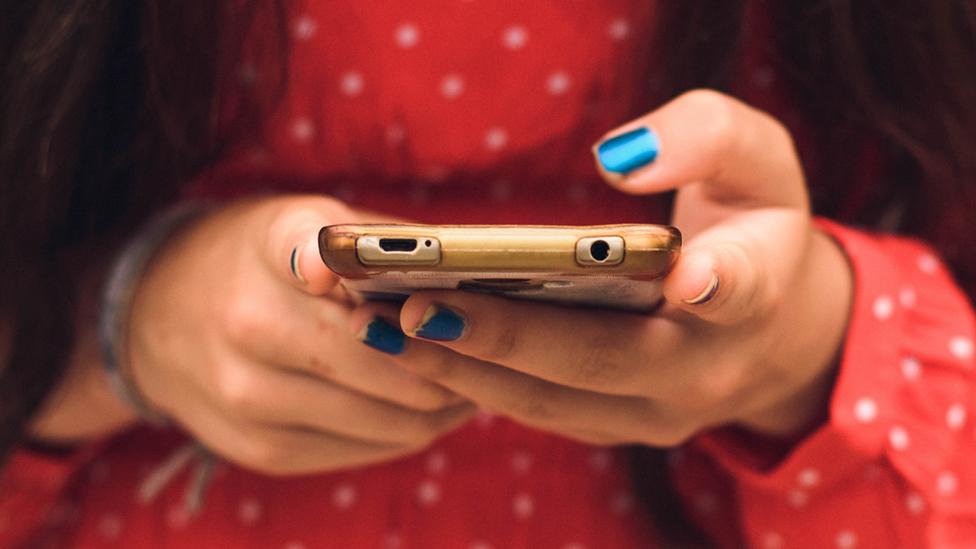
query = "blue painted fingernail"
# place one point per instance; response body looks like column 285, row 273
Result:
column 440, row 324
column 629, row 151
column 383, row 336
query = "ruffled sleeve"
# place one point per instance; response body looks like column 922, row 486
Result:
column 894, row 464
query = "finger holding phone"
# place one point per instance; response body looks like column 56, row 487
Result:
column 755, row 312
column 237, row 335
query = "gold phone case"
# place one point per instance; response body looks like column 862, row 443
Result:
column 615, row 266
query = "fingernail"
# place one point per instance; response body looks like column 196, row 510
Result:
column 440, row 324
column 383, row 336
column 629, row 151
column 296, row 254
column 707, row 294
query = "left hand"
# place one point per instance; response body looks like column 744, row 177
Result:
column 755, row 312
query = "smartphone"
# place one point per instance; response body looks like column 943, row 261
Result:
column 607, row 266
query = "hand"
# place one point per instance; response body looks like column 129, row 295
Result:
column 226, row 340
column 755, row 307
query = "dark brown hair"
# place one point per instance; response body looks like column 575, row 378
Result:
column 107, row 105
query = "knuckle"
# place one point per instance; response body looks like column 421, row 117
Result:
column 434, row 400
column 504, row 345
column 533, row 407
column 436, row 367
column 243, row 320
column 266, row 455
column 718, row 386
column 237, row 390
column 417, row 429
column 720, row 113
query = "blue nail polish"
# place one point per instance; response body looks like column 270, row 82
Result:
column 383, row 336
column 627, row 152
column 441, row 324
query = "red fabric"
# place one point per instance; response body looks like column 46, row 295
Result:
column 474, row 111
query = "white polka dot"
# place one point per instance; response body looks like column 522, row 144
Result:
column 706, row 503
column 915, row 503
column 352, row 83
column 911, row 368
column 865, row 410
column 248, row 74
column 619, row 29
column 496, row 139
column 798, row 498
column 808, row 477
column 406, row 35
column 295, row 545
column 907, row 297
column 428, row 493
column 452, row 86
column 395, row 134
column 344, row 496
column 515, row 37
column 961, row 347
column 946, row 483
column 304, row 28
column 110, row 526
column 956, row 416
column 928, row 264
column 898, row 438
column 521, row 462
column 884, row 307
column 622, row 503
column 480, row 544
column 249, row 511
column 523, row 506
column 600, row 460
column 772, row 540
column 436, row 462
column 557, row 83
column 763, row 77
column 302, row 129
column 846, row 539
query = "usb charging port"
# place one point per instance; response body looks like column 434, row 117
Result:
column 398, row 244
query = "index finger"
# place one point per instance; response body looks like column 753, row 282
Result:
column 741, row 154
column 601, row 351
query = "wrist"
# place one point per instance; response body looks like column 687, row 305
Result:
column 812, row 334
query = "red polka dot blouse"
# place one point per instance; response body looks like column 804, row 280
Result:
column 484, row 111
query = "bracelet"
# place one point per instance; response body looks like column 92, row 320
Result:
column 116, row 302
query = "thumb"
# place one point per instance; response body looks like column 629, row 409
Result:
column 719, row 283
column 291, row 243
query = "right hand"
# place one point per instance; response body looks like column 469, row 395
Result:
column 259, row 365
